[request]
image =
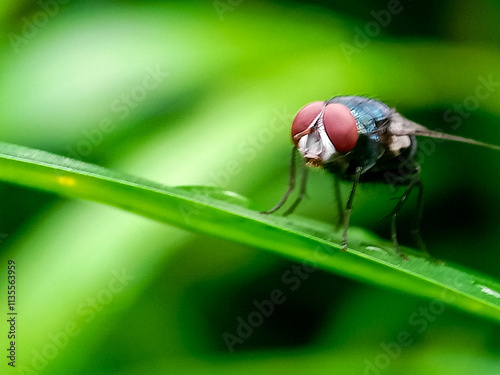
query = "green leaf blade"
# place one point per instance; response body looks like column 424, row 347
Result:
column 213, row 212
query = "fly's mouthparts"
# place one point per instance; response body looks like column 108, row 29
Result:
column 314, row 162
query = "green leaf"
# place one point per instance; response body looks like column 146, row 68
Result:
column 222, row 214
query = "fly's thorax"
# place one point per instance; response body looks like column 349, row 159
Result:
column 339, row 165
column 364, row 155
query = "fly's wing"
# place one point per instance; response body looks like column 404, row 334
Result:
column 399, row 126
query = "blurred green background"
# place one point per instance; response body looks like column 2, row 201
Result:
column 203, row 93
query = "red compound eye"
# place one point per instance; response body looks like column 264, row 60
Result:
column 340, row 126
column 304, row 117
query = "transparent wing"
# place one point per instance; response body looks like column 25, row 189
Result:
column 398, row 125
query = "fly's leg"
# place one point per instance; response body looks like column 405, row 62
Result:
column 347, row 214
column 291, row 185
column 302, row 192
column 338, row 199
column 394, row 214
column 394, row 236
column 418, row 219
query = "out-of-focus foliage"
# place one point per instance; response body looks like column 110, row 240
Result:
column 203, row 93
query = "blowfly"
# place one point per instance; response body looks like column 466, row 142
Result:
column 359, row 139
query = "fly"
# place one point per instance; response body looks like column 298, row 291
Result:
column 359, row 139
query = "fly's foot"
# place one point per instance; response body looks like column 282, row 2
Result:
column 344, row 239
column 400, row 253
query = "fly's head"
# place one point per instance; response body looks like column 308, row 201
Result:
column 324, row 132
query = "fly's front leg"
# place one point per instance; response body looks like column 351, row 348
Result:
column 347, row 214
column 291, row 187
column 302, row 192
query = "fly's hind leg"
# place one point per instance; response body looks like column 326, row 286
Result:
column 418, row 219
column 394, row 214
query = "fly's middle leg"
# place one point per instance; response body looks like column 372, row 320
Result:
column 338, row 200
column 347, row 214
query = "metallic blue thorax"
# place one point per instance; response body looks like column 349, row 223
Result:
column 366, row 111
column 369, row 115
